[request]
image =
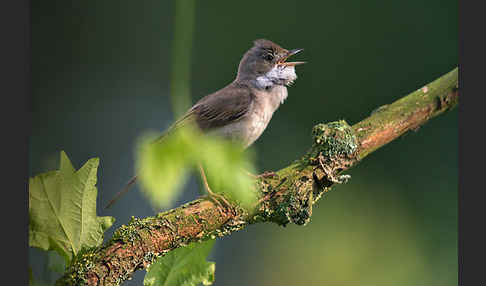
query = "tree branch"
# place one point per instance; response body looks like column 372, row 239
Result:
column 286, row 196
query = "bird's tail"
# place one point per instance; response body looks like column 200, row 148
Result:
column 123, row 191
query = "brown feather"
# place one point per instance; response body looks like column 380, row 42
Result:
column 223, row 107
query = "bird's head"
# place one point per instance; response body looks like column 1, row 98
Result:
column 266, row 63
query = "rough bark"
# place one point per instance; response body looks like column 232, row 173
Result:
column 286, row 196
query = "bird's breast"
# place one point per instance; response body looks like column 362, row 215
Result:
column 251, row 127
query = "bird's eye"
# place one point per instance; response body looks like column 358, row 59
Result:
column 268, row 57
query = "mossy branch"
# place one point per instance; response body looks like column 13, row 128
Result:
column 286, row 196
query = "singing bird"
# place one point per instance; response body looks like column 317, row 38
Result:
column 242, row 110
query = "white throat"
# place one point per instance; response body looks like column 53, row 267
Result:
column 279, row 75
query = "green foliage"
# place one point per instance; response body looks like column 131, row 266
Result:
column 62, row 209
column 186, row 266
column 226, row 167
column 164, row 166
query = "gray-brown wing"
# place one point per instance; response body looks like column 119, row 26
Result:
column 227, row 105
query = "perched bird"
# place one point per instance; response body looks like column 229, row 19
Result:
column 242, row 110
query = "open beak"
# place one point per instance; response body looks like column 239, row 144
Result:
column 283, row 62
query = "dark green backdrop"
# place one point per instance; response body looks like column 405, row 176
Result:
column 100, row 72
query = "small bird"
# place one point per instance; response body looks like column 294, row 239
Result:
column 241, row 111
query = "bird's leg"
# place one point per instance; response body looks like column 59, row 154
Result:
column 213, row 196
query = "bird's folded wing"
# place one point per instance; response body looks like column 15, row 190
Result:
column 223, row 107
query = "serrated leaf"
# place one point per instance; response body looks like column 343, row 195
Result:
column 186, row 266
column 62, row 209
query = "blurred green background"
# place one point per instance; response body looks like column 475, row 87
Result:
column 100, row 79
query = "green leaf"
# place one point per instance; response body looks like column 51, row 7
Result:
column 226, row 167
column 185, row 266
column 164, row 166
column 62, row 209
